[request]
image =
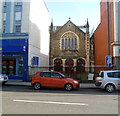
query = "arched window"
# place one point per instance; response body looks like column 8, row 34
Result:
column 69, row 41
column 80, row 66
column 69, row 63
column 58, row 65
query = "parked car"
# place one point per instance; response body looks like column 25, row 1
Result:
column 53, row 79
column 3, row 79
column 108, row 80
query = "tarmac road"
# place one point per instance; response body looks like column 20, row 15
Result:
column 17, row 99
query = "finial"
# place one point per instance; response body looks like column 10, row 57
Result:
column 52, row 22
column 87, row 23
column 69, row 18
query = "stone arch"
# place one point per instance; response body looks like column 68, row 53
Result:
column 69, row 41
column 80, row 65
column 58, row 65
column 69, row 66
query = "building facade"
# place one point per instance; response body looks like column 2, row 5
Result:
column 70, row 48
column 106, row 37
column 23, row 37
column 116, row 43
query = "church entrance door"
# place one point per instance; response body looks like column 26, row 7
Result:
column 69, row 66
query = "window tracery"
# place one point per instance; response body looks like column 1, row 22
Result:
column 69, row 41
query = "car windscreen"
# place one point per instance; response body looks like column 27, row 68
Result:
column 63, row 76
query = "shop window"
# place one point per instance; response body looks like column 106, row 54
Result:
column 4, row 67
column 8, row 67
column 20, row 67
column 11, row 67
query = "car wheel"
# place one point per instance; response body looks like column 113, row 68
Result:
column 37, row 86
column 110, row 88
column 68, row 87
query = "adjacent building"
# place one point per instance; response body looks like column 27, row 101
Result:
column 25, row 37
column 104, row 37
column 107, row 37
column 116, row 43
column 71, row 49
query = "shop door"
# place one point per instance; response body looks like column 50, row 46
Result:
column 8, row 67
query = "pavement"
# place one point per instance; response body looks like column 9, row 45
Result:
column 21, row 83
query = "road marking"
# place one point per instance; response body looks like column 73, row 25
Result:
column 50, row 102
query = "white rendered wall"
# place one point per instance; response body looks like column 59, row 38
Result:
column 39, row 32
column 25, row 16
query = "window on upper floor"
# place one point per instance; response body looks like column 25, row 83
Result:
column 18, row 16
column 4, row 9
column 5, row 3
column 4, row 16
column 69, row 41
column 18, row 2
column 18, row 8
column 4, row 28
column 18, row 28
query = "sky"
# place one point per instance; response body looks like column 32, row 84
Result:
column 77, row 10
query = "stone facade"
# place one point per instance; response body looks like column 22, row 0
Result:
column 70, row 48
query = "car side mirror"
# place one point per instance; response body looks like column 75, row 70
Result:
column 60, row 77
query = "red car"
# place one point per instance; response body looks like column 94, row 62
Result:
column 53, row 79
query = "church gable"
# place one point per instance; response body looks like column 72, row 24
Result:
column 69, row 26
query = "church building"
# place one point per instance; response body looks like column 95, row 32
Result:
column 71, row 49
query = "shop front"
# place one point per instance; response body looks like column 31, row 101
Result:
column 15, row 58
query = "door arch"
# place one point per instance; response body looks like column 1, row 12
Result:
column 80, row 65
column 58, row 65
column 69, row 66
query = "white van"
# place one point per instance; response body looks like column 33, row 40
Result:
column 108, row 80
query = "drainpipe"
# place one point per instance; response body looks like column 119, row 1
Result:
column 108, row 9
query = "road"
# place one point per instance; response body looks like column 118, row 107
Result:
column 26, row 100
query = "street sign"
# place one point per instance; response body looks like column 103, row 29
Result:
column 108, row 60
column 35, row 61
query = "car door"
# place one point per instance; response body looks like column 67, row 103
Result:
column 119, row 80
column 45, row 79
column 57, row 80
column 117, row 77
column 112, row 78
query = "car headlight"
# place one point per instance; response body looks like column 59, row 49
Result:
column 75, row 82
